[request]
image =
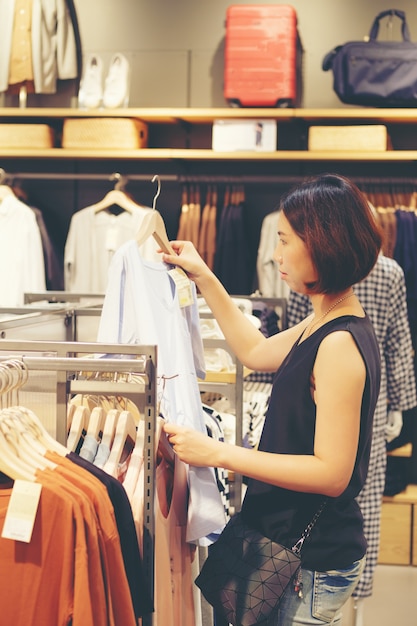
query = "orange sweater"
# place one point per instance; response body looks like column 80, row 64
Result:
column 45, row 581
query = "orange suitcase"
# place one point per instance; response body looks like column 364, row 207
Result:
column 263, row 56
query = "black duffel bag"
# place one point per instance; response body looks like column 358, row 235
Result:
column 376, row 73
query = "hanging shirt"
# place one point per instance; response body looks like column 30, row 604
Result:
column 30, row 570
column 92, row 239
column 270, row 283
column 405, row 253
column 22, row 267
column 141, row 307
column 53, row 44
column 138, row 584
column 173, row 556
column 232, row 251
column 21, row 50
column 114, row 572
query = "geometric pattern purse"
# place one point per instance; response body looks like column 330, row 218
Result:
column 246, row 574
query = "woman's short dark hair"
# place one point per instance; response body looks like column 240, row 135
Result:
column 333, row 218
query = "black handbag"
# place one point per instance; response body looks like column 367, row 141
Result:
column 376, row 73
column 246, row 574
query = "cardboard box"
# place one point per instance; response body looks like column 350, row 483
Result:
column 240, row 135
column 358, row 138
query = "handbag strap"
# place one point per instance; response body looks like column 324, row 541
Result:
column 306, row 533
column 327, row 63
column 373, row 34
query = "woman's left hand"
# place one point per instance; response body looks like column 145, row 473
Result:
column 193, row 447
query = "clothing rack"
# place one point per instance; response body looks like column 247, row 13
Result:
column 184, row 179
column 63, row 358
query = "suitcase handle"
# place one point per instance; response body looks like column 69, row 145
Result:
column 373, row 33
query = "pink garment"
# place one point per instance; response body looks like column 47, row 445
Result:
column 173, row 556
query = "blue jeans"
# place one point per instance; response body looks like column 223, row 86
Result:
column 324, row 594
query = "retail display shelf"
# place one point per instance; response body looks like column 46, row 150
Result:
column 187, row 154
column 408, row 496
column 192, row 141
column 208, row 115
column 225, row 377
column 403, row 451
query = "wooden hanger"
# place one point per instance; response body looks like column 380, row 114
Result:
column 70, row 414
column 118, row 197
column 40, row 433
column 109, row 428
column 136, row 458
column 153, row 225
column 30, row 450
column 20, row 448
column 10, row 463
column 96, row 422
column 123, row 444
column 78, row 428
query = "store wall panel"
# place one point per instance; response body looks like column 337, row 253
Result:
column 197, row 28
column 159, row 78
column 206, row 78
column 182, row 42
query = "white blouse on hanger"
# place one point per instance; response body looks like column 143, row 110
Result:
column 92, row 239
column 22, row 265
column 141, row 306
column 270, row 283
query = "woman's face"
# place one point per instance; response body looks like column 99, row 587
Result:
column 294, row 261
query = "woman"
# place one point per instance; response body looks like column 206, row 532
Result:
column 316, row 439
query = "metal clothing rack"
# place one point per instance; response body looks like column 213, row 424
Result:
column 116, row 177
column 231, row 384
column 121, row 179
column 68, row 360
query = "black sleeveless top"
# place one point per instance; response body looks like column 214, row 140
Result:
column 337, row 540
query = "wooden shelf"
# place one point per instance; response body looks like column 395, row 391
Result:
column 184, row 154
column 404, row 451
column 224, row 377
column 156, row 115
column 370, row 115
column 408, row 496
column 193, row 121
column 208, row 115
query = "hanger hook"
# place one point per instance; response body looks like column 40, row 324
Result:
column 156, row 196
column 121, row 181
column 115, row 176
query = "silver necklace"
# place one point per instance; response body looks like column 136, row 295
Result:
column 314, row 322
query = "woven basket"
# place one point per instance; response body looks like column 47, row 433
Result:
column 354, row 138
column 26, row 136
column 104, row 133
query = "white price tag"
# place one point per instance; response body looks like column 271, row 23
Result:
column 183, row 285
column 21, row 512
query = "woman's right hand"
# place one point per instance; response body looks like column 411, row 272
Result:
column 188, row 259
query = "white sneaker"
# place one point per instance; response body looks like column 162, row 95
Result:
column 90, row 94
column 117, row 83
